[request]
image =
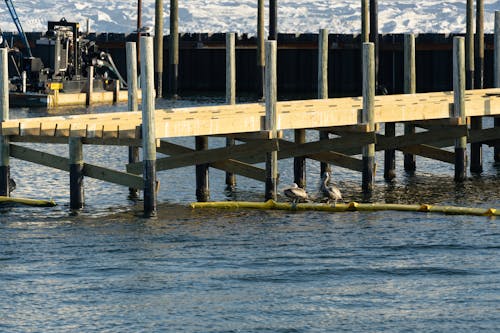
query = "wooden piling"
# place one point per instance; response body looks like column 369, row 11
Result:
column 271, row 119
column 469, row 46
column 139, row 27
column 496, row 75
column 174, row 48
column 365, row 21
column 4, row 115
column 159, row 48
column 476, row 123
column 409, row 88
column 116, row 91
column 148, row 126
column 374, row 38
column 202, row 172
column 479, row 61
column 273, row 20
column 90, row 85
column 230, row 92
column 76, row 173
column 133, row 152
column 323, row 83
column 261, row 54
column 459, row 106
column 368, row 114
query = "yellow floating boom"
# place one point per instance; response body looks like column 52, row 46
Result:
column 345, row 207
column 28, row 202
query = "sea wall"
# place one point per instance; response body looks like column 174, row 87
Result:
column 202, row 62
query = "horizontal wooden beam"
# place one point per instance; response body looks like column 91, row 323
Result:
column 338, row 159
column 430, row 152
column 233, row 166
column 62, row 163
column 209, row 156
column 397, row 142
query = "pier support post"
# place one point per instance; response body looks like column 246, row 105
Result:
column 476, row 123
column 323, row 84
column 148, row 126
column 230, row 92
column 410, row 87
column 365, row 21
column 76, row 173
column 273, row 20
column 469, row 46
column 368, row 114
column 174, row 48
column 90, row 85
column 202, row 173
column 299, row 163
column 133, row 152
column 374, row 38
column 390, row 154
column 271, row 120
column 261, row 54
column 459, row 106
column 4, row 115
column 159, row 48
column 496, row 75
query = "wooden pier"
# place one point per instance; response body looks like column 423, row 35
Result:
column 350, row 128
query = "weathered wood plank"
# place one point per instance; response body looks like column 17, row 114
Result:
column 384, row 143
column 431, row 152
column 244, row 118
column 113, row 176
column 337, row 144
column 38, row 157
column 208, row 156
column 62, row 163
column 238, row 167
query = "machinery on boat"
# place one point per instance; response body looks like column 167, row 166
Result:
column 64, row 56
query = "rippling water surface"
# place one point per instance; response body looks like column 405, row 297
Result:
column 107, row 269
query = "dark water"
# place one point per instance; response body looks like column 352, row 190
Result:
column 109, row 270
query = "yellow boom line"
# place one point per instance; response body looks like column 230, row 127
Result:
column 346, row 207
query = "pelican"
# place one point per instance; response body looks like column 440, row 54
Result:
column 331, row 192
column 295, row 193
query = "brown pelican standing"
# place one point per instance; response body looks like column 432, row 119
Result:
column 295, row 193
column 331, row 192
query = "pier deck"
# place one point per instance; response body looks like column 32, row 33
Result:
column 249, row 118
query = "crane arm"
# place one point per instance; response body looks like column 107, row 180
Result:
column 19, row 27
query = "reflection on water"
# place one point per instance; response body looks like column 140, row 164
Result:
column 108, row 269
